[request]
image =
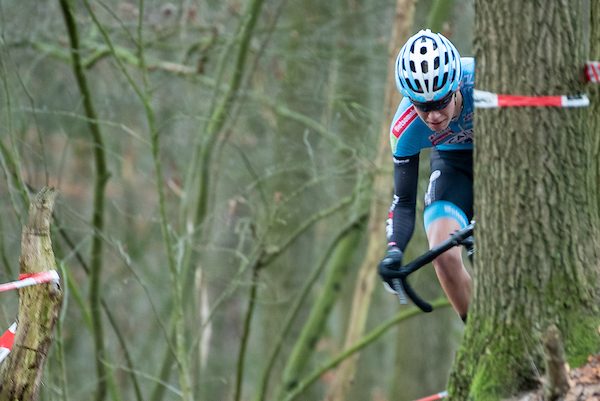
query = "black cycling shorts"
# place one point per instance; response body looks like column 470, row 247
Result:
column 450, row 190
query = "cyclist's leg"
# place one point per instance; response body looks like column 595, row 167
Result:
column 448, row 208
column 449, row 267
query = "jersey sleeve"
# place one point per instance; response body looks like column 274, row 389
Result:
column 401, row 219
column 406, row 136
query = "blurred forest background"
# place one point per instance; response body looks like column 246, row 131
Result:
column 199, row 224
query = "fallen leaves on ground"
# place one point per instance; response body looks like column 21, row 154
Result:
column 584, row 384
column 585, row 381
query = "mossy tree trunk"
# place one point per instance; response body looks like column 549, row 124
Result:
column 39, row 306
column 535, row 202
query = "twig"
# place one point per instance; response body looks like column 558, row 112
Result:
column 245, row 335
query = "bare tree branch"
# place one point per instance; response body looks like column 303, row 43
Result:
column 100, row 179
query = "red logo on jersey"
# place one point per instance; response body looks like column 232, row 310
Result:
column 440, row 136
column 404, row 121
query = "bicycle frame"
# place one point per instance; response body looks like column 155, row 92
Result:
column 399, row 277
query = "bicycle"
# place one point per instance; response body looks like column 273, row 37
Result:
column 399, row 277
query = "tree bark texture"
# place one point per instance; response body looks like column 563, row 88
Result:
column 39, row 306
column 594, row 88
column 535, row 202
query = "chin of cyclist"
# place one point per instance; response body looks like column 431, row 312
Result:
column 437, row 113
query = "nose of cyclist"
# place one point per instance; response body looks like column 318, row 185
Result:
column 435, row 118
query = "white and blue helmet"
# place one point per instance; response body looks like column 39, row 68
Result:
column 428, row 67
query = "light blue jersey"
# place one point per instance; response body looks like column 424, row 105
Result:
column 409, row 134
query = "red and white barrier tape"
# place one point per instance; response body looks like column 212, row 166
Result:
column 6, row 341
column 592, row 71
column 31, row 279
column 437, row 396
column 489, row 100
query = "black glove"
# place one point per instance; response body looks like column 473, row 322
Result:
column 469, row 243
column 390, row 264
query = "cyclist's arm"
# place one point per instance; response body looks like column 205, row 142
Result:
column 401, row 220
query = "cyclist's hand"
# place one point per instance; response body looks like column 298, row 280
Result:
column 390, row 264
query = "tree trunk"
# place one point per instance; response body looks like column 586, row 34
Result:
column 535, row 202
column 594, row 89
column 382, row 190
column 439, row 15
column 39, row 306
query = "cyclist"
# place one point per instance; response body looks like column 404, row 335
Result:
column 436, row 112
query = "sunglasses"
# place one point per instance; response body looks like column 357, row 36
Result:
column 433, row 106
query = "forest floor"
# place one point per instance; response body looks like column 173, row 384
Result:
column 584, row 384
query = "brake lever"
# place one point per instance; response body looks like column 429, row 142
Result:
column 400, row 290
column 404, row 289
column 424, row 306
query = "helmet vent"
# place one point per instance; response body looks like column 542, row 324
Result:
column 412, row 66
column 418, row 88
column 444, row 80
column 423, row 50
column 436, row 63
column 424, row 67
